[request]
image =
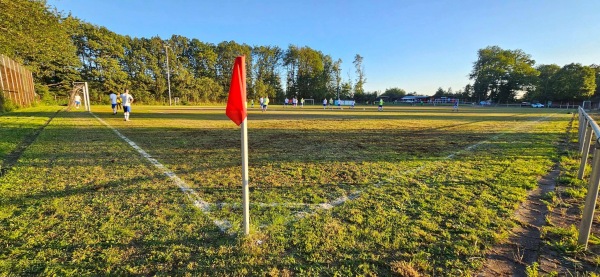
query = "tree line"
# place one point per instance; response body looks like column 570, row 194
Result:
column 501, row 75
column 61, row 49
column 507, row 76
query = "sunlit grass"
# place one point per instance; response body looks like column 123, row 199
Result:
column 430, row 190
column 15, row 126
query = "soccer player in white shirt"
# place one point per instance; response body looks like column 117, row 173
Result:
column 113, row 102
column 77, row 101
column 127, row 100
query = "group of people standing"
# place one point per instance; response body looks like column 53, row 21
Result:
column 293, row 101
column 264, row 103
column 123, row 99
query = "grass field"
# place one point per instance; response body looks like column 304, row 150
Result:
column 333, row 192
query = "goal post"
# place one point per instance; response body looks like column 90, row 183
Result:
column 587, row 105
column 309, row 101
column 80, row 89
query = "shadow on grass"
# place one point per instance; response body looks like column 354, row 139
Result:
column 217, row 114
column 9, row 160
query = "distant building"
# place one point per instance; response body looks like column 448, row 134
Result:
column 415, row 99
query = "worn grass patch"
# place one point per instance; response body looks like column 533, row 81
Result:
column 353, row 192
column 15, row 127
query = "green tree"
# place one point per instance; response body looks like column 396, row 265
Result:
column 346, row 91
column 394, row 93
column 203, row 59
column 308, row 73
column 60, row 50
column 500, row 74
column 102, row 53
column 337, row 80
column 38, row 38
column 142, row 68
column 574, row 82
column 597, row 70
column 266, row 65
column 360, row 74
column 227, row 51
column 467, row 93
column 439, row 93
column 545, row 84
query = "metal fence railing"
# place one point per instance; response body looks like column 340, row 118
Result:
column 16, row 82
column 588, row 129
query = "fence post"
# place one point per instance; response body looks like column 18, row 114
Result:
column 31, row 85
column 1, row 76
column 590, row 200
column 585, row 152
column 8, row 78
column 22, row 85
column 15, row 83
column 582, row 121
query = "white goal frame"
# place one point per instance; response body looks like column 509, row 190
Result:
column 312, row 101
column 587, row 105
column 83, row 88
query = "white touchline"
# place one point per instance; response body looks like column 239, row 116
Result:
column 223, row 225
column 355, row 194
column 190, row 193
column 343, row 199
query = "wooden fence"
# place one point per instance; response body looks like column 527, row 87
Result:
column 588, row 129
column 16, row 82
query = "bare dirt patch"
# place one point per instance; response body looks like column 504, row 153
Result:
column 522, row 248
column 528, row 247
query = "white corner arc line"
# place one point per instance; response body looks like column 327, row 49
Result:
column 224, row 225
column 190, row 193
column 343, row 199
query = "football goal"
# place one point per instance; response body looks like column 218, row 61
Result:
column 309, row 101
column 79, row 95
column 587, row 105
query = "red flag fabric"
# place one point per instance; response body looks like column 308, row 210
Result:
column 236, row 102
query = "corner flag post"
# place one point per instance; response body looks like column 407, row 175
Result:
column 245, row 189
column 237, row 111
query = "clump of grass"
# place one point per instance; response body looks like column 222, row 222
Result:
column 578, row 193
column 563, row 239
column 532, row 270
column 404, row 269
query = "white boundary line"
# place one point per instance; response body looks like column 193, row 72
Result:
column 224, row 225
column 355, row 194
column 190, row 193
column 343, row 199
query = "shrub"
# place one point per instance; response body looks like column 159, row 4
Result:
column 8, row 106
column 45, row 95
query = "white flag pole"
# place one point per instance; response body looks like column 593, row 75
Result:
column 245, row 190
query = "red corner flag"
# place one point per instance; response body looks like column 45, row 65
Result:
column 236, row 102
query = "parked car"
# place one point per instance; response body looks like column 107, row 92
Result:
column 537, row 105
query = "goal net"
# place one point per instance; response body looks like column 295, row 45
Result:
column 587, row 105
column 309, row 101
column 80, row 97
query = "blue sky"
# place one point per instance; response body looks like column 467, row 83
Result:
column 414, row 45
